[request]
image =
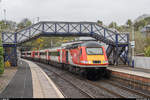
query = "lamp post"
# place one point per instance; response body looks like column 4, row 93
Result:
column 132, row 45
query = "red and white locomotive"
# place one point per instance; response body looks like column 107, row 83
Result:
column 88, row 58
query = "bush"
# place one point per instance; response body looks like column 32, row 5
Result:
column 1, row 61
column 140, row 42
column 147, row 51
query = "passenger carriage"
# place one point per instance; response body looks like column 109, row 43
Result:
column 88, row 58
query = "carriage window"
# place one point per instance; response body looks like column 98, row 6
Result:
column 36, row 53
column 28, row 53
column 53, row 53
column 58, row 53
column 22, row 53
column 49, row 53
column 42, row 53
column 81, row 51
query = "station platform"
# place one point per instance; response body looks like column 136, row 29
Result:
column 135, row 77
column 30, row 81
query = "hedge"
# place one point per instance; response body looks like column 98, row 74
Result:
column 147, row 51
column 1, row 61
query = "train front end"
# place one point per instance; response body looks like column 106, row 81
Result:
column 94, row 60
column 92, row 54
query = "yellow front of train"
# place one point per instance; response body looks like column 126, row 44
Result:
column 94, row 60
column 96, row 56
column 93, row 54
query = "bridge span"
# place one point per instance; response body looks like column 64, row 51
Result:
column 118, row 44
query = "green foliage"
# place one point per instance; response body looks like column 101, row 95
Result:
column 7, row 25
column 124, row 28
column 147, row 20
column 46, row 42
column 129, row 22
column 1, row 61
column 100, row 22
column 113, row 25
column 24, row 23
column 38, row 44
column 3, row 26
column 140, row 24
column 139, row 42
column 147, row 51
column 147, row 41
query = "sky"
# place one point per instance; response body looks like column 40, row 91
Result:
column 74, row 10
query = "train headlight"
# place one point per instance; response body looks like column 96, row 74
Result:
column 89, row 62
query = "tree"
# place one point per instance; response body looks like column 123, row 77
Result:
column 113, row 25
column 100, row 22
column 38, row 43
column 7, row 26
column 1, row 61
column 24, row 23
column 147, row 51
column 1, row 53
column 129, row 22
column 139, row 24
column 147, row 20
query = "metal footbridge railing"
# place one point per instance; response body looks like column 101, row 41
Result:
column 118, row 43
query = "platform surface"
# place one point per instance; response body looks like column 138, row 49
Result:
column 30, row 81
column 21, row 84
column 132, row 71
column 43, row 86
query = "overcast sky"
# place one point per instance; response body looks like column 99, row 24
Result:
column 75, row 10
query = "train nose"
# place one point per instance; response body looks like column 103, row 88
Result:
column 96, row 59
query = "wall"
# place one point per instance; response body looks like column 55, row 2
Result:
column 142, row 62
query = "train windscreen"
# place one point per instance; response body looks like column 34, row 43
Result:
column 94, row 51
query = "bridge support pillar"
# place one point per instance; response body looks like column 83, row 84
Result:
column 10, row 54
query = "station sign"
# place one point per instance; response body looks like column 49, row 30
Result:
column 132, row 43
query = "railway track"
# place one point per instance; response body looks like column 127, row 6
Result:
column 89, row 82
column 106, row 89
column 116, row 85
column 80, row 89
column 128, row 89
column 96, row 84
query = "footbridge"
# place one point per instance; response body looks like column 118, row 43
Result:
column 118, row 44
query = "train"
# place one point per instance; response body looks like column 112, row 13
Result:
column 88, row 58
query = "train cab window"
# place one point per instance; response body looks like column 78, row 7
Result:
column 94, row 51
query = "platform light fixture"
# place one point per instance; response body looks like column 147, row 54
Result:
column 133, row 45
